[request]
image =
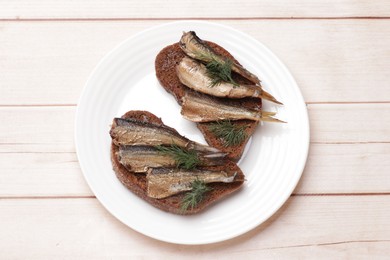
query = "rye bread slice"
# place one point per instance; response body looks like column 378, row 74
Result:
column 137, row 183
column 165, row 65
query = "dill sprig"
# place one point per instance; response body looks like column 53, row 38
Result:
column 195, row 196
column 218, row 69
column 232, row 135
column 185, row 159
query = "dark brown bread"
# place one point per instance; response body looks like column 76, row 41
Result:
column 136, row 182
column 165, row 65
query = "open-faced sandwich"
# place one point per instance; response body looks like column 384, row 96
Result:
column 215, row 91
column 166, row 169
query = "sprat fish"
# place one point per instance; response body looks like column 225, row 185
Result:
column 201, row 108
column 197, row 49
column 132, row 132
column 140, row 158
column 194, row 75
column 163, row 183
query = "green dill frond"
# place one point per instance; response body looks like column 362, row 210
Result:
column 218, row 69
column 184, row 159
column 195, row 196
column 203, row 56
column 232, row 135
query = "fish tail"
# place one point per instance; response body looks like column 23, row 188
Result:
column 268, row 117
column 267, row 113
column 264, row 94
column 213, row 159
column 202, row 148
column 215, row 155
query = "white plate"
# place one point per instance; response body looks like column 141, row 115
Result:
column 125, row 80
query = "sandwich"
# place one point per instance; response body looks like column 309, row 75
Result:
column 168, row 170
column 214, row 91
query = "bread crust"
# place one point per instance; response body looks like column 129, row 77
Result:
column 165, row 66
column 136, row 182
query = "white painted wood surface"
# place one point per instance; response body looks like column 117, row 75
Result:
column 56, row 65
column 46, row 158
column 339, row 53
column 333, row 227
column 149, row 9
column 331, row 169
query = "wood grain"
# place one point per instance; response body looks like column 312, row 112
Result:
column 337, row 50
column 82, row 228
column 349, row 154
column 349, row 123
column 37, row 129
column 41, row 175
column 346, row 168
column 50, row 129
column 331, row 60
column 152, row 9
column 331, row 169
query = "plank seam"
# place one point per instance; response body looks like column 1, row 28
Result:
column 17, row 19
column 355, row 142
column 307, row 103
column 346, row 102
column 312, row 142
column 45, row 197
column 23, row 152
column 340, row 194
column 324, row 244
column 292, row 195
column 38, row 105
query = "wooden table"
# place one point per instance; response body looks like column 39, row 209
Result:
column 339, row 53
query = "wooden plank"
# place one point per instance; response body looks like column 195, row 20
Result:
column 38, row 158
column 350, row 123
column 37, row 129
column 329, row 170
column 332, row 60
column 346, row 168
column 334, row 227
column 104, row 9
column 50, row 129
column 41, row 175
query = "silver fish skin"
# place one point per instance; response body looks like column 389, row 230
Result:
column 194, row 75
column 201, row 108
column 197, row 49
column 133, row 132
column 163, row 183
column 140, row 158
